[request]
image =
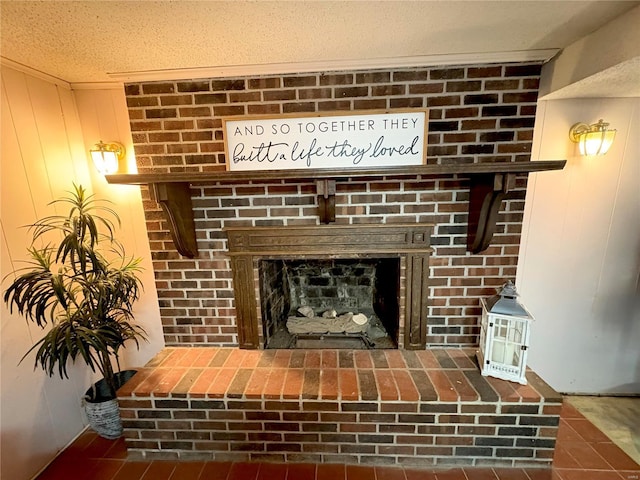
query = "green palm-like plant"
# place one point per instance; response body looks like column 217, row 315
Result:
column 86, row 299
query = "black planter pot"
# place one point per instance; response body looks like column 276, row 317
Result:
column 102, row 409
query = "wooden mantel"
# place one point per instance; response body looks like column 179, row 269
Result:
column 489, row 183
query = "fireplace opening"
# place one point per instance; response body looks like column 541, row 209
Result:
column 330, row 303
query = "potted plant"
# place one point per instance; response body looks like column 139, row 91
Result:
column 81, row 286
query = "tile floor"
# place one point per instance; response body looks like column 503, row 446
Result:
column 617, row 417
column 583, row 453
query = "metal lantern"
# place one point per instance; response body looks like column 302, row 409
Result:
column 504, row 336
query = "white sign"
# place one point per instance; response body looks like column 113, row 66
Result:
column 347, row 140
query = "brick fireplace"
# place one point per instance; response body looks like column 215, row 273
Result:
column 477, row 114
column 226, row 403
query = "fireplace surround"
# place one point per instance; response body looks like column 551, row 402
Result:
column 408, row 243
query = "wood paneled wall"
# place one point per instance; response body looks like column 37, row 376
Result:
column 43, row 152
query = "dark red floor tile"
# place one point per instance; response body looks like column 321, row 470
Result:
column 615, row 456
column 480, row 473
column 98, row 448
column 569, row 411
column 78, row 469
column 105, row 469
column 272, row 471
column 629, row 474
column 389, row 473
column 243, row 471
column 132, row 471
column 587, row 430
column 83, row 440
column 159, row 470
column 419, row 474
column 511, row 474
column 301, row 471
column 566, row 433
column 562, row 458
column 451, row 474
column 118, row 450
column 586, row 456
column 360, row 472
column 540, row 474
column 589, row 475
column 330, row 471
column 187, row 471
column 215, row 471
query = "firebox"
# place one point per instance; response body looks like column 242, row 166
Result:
column 330, row 303
column 331, row 286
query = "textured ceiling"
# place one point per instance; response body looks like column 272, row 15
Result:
column 85, row 41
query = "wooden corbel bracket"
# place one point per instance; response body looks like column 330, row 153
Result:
column 485, row 198
column 175, row 200
column 326, row 191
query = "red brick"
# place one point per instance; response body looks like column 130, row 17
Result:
column 329, row 386
column 275, row 384
column 445, row 390
column 348, row 384
column 406, row 387
column 387, row 388
column 293, row 384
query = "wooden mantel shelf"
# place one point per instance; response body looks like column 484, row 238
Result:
column 489, row 183
column 222, row 175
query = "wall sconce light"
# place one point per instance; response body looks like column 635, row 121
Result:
column 594, row 139
column 107, row 156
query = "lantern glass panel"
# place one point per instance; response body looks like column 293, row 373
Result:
column 507, row 341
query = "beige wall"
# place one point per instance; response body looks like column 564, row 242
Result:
column 43, row 151
column 103, row 116
column 597, row 61
column 580, row 253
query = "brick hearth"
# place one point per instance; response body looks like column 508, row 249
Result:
column 427, row 407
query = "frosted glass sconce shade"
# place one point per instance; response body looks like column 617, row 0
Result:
column 107, row 156
column 594, row 139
